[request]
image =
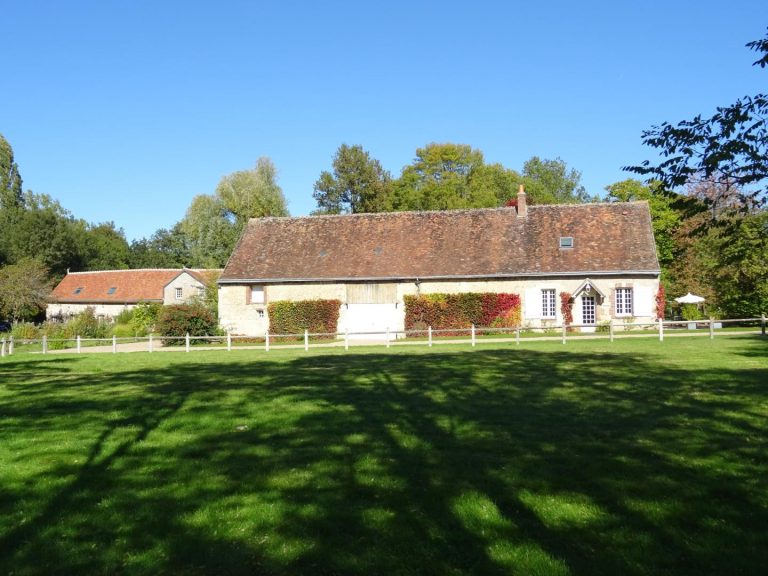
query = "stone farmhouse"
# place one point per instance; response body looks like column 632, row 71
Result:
column 109, row 292
column 603, row 254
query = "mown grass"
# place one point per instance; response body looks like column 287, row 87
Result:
column 631, row 457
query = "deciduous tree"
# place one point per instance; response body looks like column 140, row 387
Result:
column 24, row 289
column 357, row 184
column 729, row 147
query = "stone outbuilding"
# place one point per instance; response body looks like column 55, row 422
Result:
column 602, row 254
column 109, row 292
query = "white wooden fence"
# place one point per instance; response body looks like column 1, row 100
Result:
column 428, row 337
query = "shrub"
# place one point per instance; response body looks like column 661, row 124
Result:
column 566, row 308
column 317, row 316
column 459, row 311
column 144, row 317
column 124, row 317
column 691, row 312
column 86, row 325
column 25, row 331
column 181, row 319
column 124, row 331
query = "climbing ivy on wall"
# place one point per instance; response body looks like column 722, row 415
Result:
column 447, row 311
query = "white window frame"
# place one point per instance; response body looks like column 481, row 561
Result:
column 257, row 294
column 548, row 303
column 179, row 293
column 625, row 301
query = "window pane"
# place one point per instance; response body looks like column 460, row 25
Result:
column 257, row 294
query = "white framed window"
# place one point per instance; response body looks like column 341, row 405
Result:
column 548, row 308
column 566, row 241
column 179, row 293
column 624, row 305
column 257, row 294
column 200, row 291
column 261, row 313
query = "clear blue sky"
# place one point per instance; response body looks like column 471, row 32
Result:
column 125, row 110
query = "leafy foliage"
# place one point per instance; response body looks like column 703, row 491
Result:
column 10, row 179
column 730, row 147
column 24, row 289
column 179, row 320
column 551, row 182
column 293, row 317
column 566, row 307
column 358, row 184
column 459, row 311
column 661, row 302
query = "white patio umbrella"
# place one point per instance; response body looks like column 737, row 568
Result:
column 689, row 299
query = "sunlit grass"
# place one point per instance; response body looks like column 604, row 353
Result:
column 631, row 457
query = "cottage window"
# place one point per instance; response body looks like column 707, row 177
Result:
column 548, row 309
column 624, row 305
column 200, row 291
column 78, row 290
column 566, row 242
column 179, row 293
column 261, row 313
column 257, row 294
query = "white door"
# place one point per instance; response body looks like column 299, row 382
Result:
column 370, row 321
column 588, row 313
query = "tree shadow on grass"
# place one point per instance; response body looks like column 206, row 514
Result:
column 484, row 462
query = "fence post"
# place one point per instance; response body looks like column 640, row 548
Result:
column 762, row 323
column 306, row 339
column 429, row 333
column 473, row 335
column 517, row 335
column 45, row 343
column 229, row 342
column 346, row 338
column 150, row 342
column 661, row 329
column 186, row 342
column 114, row 344
column 564, row 329
column 711, row 328
column 266, row 341
column 610, row 328
column 2, row 348
column 78, row 343
column 387, row 336
column 10, row 346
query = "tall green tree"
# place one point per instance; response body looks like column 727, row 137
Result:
column 357, row 184
column 10, row 179
column 166, row 248
column 24, row 289
column 209, row 232
column 439, row 179
column 252, row 193
column 730, row 147
column 105, row 247
column 552, row 182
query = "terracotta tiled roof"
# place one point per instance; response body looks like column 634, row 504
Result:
column 607, row 238
column 130, row 286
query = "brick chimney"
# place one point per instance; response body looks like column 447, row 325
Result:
column 522, row 206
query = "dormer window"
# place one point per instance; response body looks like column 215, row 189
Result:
column 112, row 290
column 566, row 241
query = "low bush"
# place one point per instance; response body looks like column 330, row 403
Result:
column 144, row 317
column 25, row 331
column 316, row 316
column 124, row 317
column 178, row 320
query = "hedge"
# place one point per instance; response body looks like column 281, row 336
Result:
column 316, row 316
column 182, row 319
column 459, row 311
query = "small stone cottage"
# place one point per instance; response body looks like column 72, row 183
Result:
column 109, row 292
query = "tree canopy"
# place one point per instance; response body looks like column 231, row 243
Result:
column 358, row 183
column 10, row 179
column 729, row 147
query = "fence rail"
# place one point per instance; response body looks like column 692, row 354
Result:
column 428, row 336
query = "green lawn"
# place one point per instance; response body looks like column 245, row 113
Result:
column 631, row 457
